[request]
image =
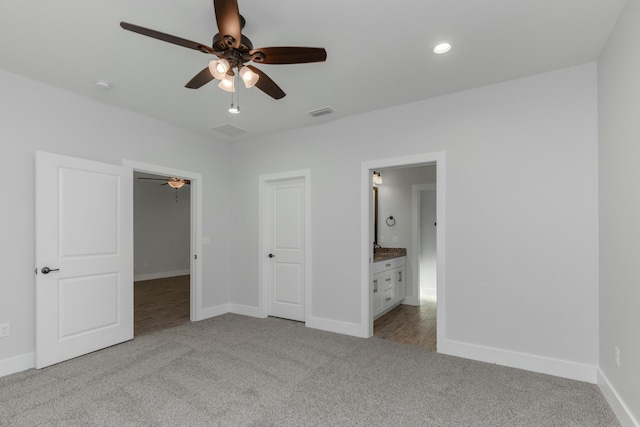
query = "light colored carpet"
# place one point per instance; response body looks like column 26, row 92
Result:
column 239, row 371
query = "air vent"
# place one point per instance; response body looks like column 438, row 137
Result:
column 321, row 112
column 229, row 129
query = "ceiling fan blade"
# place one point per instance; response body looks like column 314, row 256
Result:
column 267, row 85
column 200, row 79
column 167, row 37
column 228, row 20
column 186, row 181
column 288, row 55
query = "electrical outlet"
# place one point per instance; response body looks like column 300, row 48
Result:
column 616, row 351
column 5, row 329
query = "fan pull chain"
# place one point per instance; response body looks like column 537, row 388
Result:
column 176, row 195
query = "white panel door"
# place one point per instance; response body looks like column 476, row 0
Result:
column 286, row 240
column 84, row 236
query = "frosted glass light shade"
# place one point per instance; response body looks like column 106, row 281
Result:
column 248, row 77
column 219, row 68
column 176, row 184
column 377, row 178
column 226, row 83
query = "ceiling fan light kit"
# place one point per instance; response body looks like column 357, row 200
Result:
column 233, row 50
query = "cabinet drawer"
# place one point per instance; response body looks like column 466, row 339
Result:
column 387, row 264
column 387, row 281
column 387, row 297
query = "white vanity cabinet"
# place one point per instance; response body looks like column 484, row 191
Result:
column 387, row 284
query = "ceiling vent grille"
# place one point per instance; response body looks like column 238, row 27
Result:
column 321, row 112
column 229, row 129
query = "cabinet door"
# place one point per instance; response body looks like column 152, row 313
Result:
column 376, row 288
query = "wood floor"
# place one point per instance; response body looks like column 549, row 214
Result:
column 409, row 324
column 160, row 304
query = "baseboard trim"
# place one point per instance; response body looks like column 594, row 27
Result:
column 345, row 328
column 161, row 275
column 246, row 310
column 17, row 364
column 429, row 292
column 617, row 404
column 209, row 312
column 512, row 359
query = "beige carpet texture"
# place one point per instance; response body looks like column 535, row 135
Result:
column 239, row 371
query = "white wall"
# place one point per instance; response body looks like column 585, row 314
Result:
column 161, row 224
column 521, row 186
column 619, row 95
column 34, row 117
column 394, row 199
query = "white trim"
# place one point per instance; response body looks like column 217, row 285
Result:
column 160, row 275
column 246, row 310
column 217, row 310
column 196, row 310
column 620, row 409
column 528, row 362
column 330, row 325
column 17, row 364
column 366, row 251
column 414, row 299
column 263, row 181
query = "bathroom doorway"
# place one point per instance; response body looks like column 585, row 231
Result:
column 402, row 234
column 407, row 208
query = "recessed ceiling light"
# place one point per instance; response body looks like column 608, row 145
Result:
column 102, row 84
column 441, row 48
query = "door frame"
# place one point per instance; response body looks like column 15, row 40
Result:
column 416, row 219
column 263, row 184
column 366, row 249
column 195, row 228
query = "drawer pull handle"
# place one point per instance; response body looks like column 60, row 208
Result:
column 387, row 265
column 399, row 276
column 387, row 280
column 388, row 299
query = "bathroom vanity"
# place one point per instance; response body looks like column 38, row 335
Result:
column 387, row 280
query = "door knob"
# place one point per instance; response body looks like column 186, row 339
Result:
column 47, row 270
column 271, row 255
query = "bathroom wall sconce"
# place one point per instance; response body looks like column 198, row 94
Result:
column 377, row 178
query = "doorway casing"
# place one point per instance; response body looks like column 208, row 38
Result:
column 195, row 229
column 366, row 249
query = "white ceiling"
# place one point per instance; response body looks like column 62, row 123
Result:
column 378, row 53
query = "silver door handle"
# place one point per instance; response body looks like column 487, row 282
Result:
column 271, row 255
column 47, row 270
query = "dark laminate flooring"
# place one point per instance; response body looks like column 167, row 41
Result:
column 161, row 304
column 409, row 324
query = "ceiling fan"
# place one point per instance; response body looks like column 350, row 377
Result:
column 233, row 50
column 170, row 181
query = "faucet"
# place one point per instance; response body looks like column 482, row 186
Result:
column 376, row 246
